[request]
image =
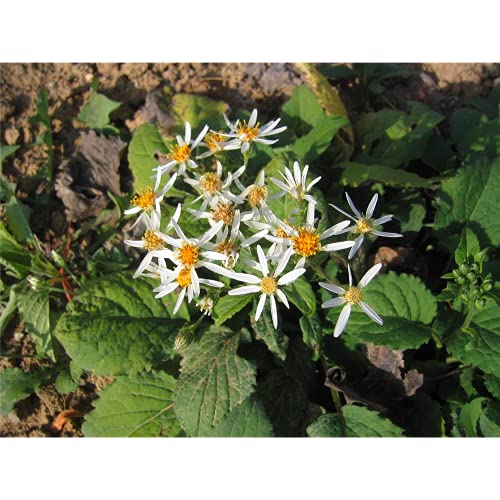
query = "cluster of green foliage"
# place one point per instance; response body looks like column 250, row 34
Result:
column 231, row 376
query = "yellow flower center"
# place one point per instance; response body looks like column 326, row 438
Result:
column 224, row 212
column 181, row 153
column 268, row 285
column 212, row 140
column 257, row 195
column 188, row 255
column 364, row 226
column 184, row 278
column 306, row 243
column 145, row 200
column 210, row 183
column 226, row 247
column 152, row 241
column 246, row 133
column 353, row 295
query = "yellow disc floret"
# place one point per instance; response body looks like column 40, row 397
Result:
column 213, row 140
column 268, row 285
column 306, row 243
column 152, row 241
column 226, row 247
column 364, row 226
column 210, row 183
column 257, row 195
column 184, row 278
column 145, row 200
column 224, row 212
column 353, row 295
column 180, row 153
column 188, row 254
column 246, row 133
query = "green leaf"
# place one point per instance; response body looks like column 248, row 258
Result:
column 301, row 294
column 409, row 208
column 355, row 174
column 285, row 401
column 198, row 111
column 144, row 146
column 17, row 214
column 135, row 406
column 6, row 151
column 470, row 199
column 214, row 380
column 228, row 306
column 35, row 313
column 65, row 383
column 469, row 416
column 489, row 421
column 10, row 308
column 492, row 383
column 16, row 384
column 468, row 246
column 12, row 255
column 264, row 330
column 405, row 306
column 310, row 146
column 95, row 114
column 312, row 334
column 249, row 419
column 481, row 349
column 360, row 422
column 302, row 107
column 116, row 326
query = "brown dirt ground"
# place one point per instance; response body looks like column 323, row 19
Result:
column 265, row 86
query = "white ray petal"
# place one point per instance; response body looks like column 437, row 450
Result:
column 283, row 298
column 387, row 235
column 144, row 263
column 165, row 290
column 336, row 229
column 340, row 245
column 187, row 133
column 131, row 211
column 341, row 211
column 332, row 288
column 283, row 262
column 382, row 220
column 350, row 274
column 357, row 244
column 274, row 311
column 372, row 205
column 342, row 321
column 262, row 261
column 178, row 304
column 260, row 306
column 371, row 313
column 291, row 276
column 253, row 119
column 351, row 204
column 337, row 301
column 242, row 290
column 369, row 275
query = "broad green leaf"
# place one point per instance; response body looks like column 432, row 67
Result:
column 312, row 334
column 264, row 330
column 409, row 209
column 489, row 421
column 16, row 384
column 355, row 174
column 481, row 349
column 228, row 306
column 468, row 246
column 116, row 326
column 469, row 416
column 214, row 380
column 470, row 199
column 145, row 144
column 405, row 306
column 360, row 422
column 16, row 212
column 302, row 107
column 135, row 406
column 65, row 383
column 310, row 146
column 249, row 419
column 285, row 401
column 10, row 308
column 198, row 111
column 492, row 383
column 6, row 151
column 301, row 294
column 95, row 114
column 12, row 255
column 35, row 313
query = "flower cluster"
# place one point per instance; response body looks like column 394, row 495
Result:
column 243, row 240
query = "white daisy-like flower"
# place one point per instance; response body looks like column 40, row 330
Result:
column 255, row 195
column 181, row 154
column 213, row 188
column 306, row 240
column 245, row 133
column 153, row 239
column 231, row 243
column 187, row 281
column 364, row 223
column 351, row 297
column 149, row 200
column 268, row 285
column 295, row 184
